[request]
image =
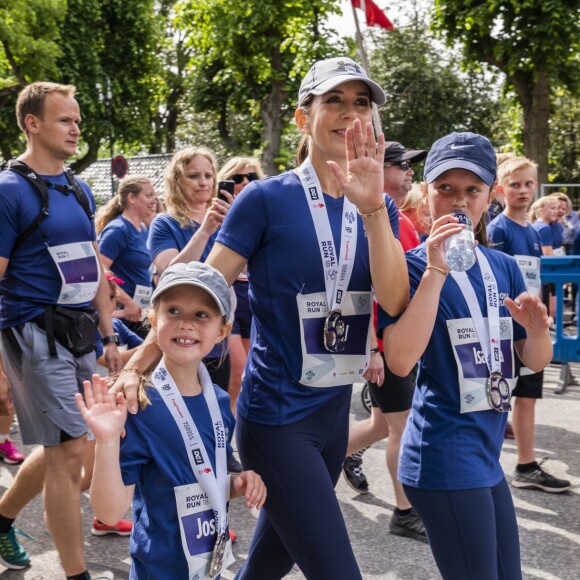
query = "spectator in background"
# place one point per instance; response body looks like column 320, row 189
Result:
column 567, row 219
column 543, row 212
column 120, row 225
column 497, row 204
column 9, row 453
column 415, row 207
column 510, row 233
column 188, row 230
column 242, row 170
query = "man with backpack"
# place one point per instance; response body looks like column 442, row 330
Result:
column 51, row 283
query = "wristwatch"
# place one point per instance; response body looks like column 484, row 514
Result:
column 375, row 350
column 113, row 338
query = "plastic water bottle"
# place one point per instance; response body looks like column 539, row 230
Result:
column 460, row 248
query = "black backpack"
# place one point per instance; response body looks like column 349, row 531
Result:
column 41, row 186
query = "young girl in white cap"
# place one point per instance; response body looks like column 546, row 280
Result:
column 465, row 329
column 172, row 462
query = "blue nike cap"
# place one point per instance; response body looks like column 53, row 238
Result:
column 462, row 151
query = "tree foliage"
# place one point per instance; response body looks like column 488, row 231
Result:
column 29, row 47
column 114, row 44
column 534, row 42
column 250, row 57
column 427, row 95
column 81, row 42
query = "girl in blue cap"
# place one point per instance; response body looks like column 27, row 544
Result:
column 465, row 329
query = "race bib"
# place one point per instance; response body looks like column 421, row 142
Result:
column 530, row 269
column 198, row 530
column 142, row 296
column 472, row 369
column 321, row 368
column 79, row 271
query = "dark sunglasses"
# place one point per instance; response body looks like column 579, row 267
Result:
column 403, row 165
column 239, row 177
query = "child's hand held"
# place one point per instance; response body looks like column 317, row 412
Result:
column 250, row 485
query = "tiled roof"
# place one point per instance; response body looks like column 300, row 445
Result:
column 98, row 175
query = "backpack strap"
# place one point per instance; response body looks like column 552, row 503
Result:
column 41, row 186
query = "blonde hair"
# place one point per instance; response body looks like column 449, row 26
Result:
column 561, row 196
column 235, row 164
column 538, row 205
column 413, row 204
column 118, row 204
column 513, row 164
column 174, row 198
column 503, row 157
column 32, row 98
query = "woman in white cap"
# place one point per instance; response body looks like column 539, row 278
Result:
column 316, row 240
column 465, row 329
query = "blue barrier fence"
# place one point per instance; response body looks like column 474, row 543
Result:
column 559, row 271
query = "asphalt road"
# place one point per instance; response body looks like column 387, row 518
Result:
column 549, row 524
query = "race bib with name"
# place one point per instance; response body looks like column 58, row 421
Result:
column 530, row 269
column 472, row 369
column 198, row 530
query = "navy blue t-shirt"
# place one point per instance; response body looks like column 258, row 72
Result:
column 508, row 236
column 155, row 459
column 32, row 280
column 442, row 448
column 271, row 226
column 127, row 248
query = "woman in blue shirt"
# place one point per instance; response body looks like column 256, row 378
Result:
column 123, row 245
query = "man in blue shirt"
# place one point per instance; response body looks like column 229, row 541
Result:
column 51, row 280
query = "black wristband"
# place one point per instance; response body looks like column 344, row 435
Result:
column 375, row 350
column 113, row 338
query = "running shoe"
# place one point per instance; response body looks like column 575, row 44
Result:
column 539, row 478
column 9, row 453
column 353, row 474
column 12, row 554
column 408, row 526
column 121, row 528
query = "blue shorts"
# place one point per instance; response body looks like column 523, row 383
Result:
column 243, row 317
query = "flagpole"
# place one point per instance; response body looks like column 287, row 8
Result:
column 365, row 63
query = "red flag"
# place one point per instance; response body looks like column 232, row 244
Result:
column 374, row 15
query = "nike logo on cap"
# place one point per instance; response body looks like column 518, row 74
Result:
column 453, row 147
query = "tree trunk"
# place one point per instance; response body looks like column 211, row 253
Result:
column 90, row 157
column 534, row 96
column 271, row 114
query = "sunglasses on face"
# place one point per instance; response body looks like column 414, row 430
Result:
column 402, row 165
column 237, row 178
